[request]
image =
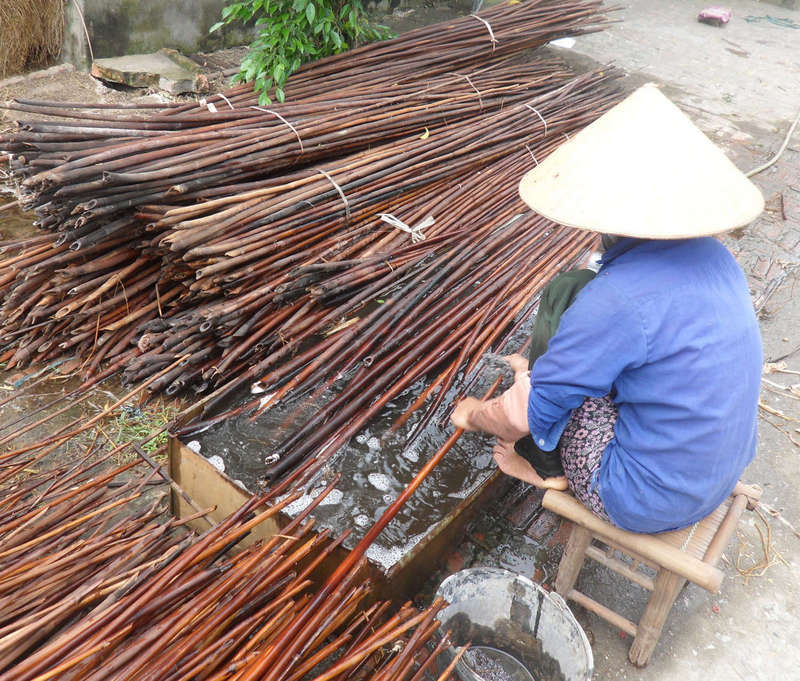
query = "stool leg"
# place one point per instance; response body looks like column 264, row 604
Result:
column 572, row 560
column 667, row 587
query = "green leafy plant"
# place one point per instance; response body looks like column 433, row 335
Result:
column 132, row 424
column 292, row 32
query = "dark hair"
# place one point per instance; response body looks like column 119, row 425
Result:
column 608, row 240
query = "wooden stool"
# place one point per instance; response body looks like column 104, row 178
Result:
column 688, row 554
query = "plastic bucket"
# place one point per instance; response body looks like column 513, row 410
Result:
column 500, row 609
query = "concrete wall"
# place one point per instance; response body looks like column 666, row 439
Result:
column 118, row 27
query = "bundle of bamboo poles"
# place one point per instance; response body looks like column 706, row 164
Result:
column 237, row 248
column 98, row 179
column 91, row 590
column 80, row 192
column 66, row 546
column 190, row 612
column 282, row 290
column 202, row 249
column 396, row 74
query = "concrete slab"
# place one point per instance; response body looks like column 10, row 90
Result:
column 166, row 70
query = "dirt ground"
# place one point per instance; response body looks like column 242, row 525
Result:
column 740, row 84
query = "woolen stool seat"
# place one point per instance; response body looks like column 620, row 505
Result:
column 684, row 555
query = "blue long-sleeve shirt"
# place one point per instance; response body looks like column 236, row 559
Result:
column 668, row 329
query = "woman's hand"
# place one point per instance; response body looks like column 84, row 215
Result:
column 460, row 416
column 517, row 362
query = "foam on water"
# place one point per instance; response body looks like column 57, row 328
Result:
column 388, row 556
column 362, row 520
column 194, row 445
column 217, row 462
column 334, row 497
column 411, row 454
column 298, row 505
column 374, row 443
column 380, row 481
column 464, row 493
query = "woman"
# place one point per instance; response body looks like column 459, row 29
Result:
column 651, row 380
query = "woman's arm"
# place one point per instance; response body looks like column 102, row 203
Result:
column 504, row 416
column 599, row 336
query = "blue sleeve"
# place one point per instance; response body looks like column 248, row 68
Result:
column 599, row 336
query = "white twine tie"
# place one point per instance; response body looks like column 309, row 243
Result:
column 208, row 105
column 277, row 115
column 540, row 118
column 341, row 193
column 415, row 231
column 469, row 80
column 489, row 27
column 227, row 101
column 532, row 156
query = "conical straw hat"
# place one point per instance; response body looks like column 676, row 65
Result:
column 642, row 170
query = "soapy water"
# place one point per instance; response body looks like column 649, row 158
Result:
column 375, row 466
column 333, row 498
column 379, row 481
column 217, row 462
column 386, row 557
column 491, row 664
column 411, row 454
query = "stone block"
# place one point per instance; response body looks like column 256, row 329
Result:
column 166, row 70
column 519, row 516
column 543, row 525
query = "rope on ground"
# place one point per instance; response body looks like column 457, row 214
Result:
column 775, row 513
column 782, row 430
column 770, row 554
column 785, row 144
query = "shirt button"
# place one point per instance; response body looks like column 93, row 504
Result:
column 541, row 442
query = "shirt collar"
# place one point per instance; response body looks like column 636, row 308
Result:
column 625, row 244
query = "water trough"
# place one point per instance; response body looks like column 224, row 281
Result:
column 223, row 466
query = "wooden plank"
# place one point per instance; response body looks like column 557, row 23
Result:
column 648, row 546
column 725, row 530
column 668, row 586
column 572, row 561
column 619, row 566
column 208, row 487
column 602, row 611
